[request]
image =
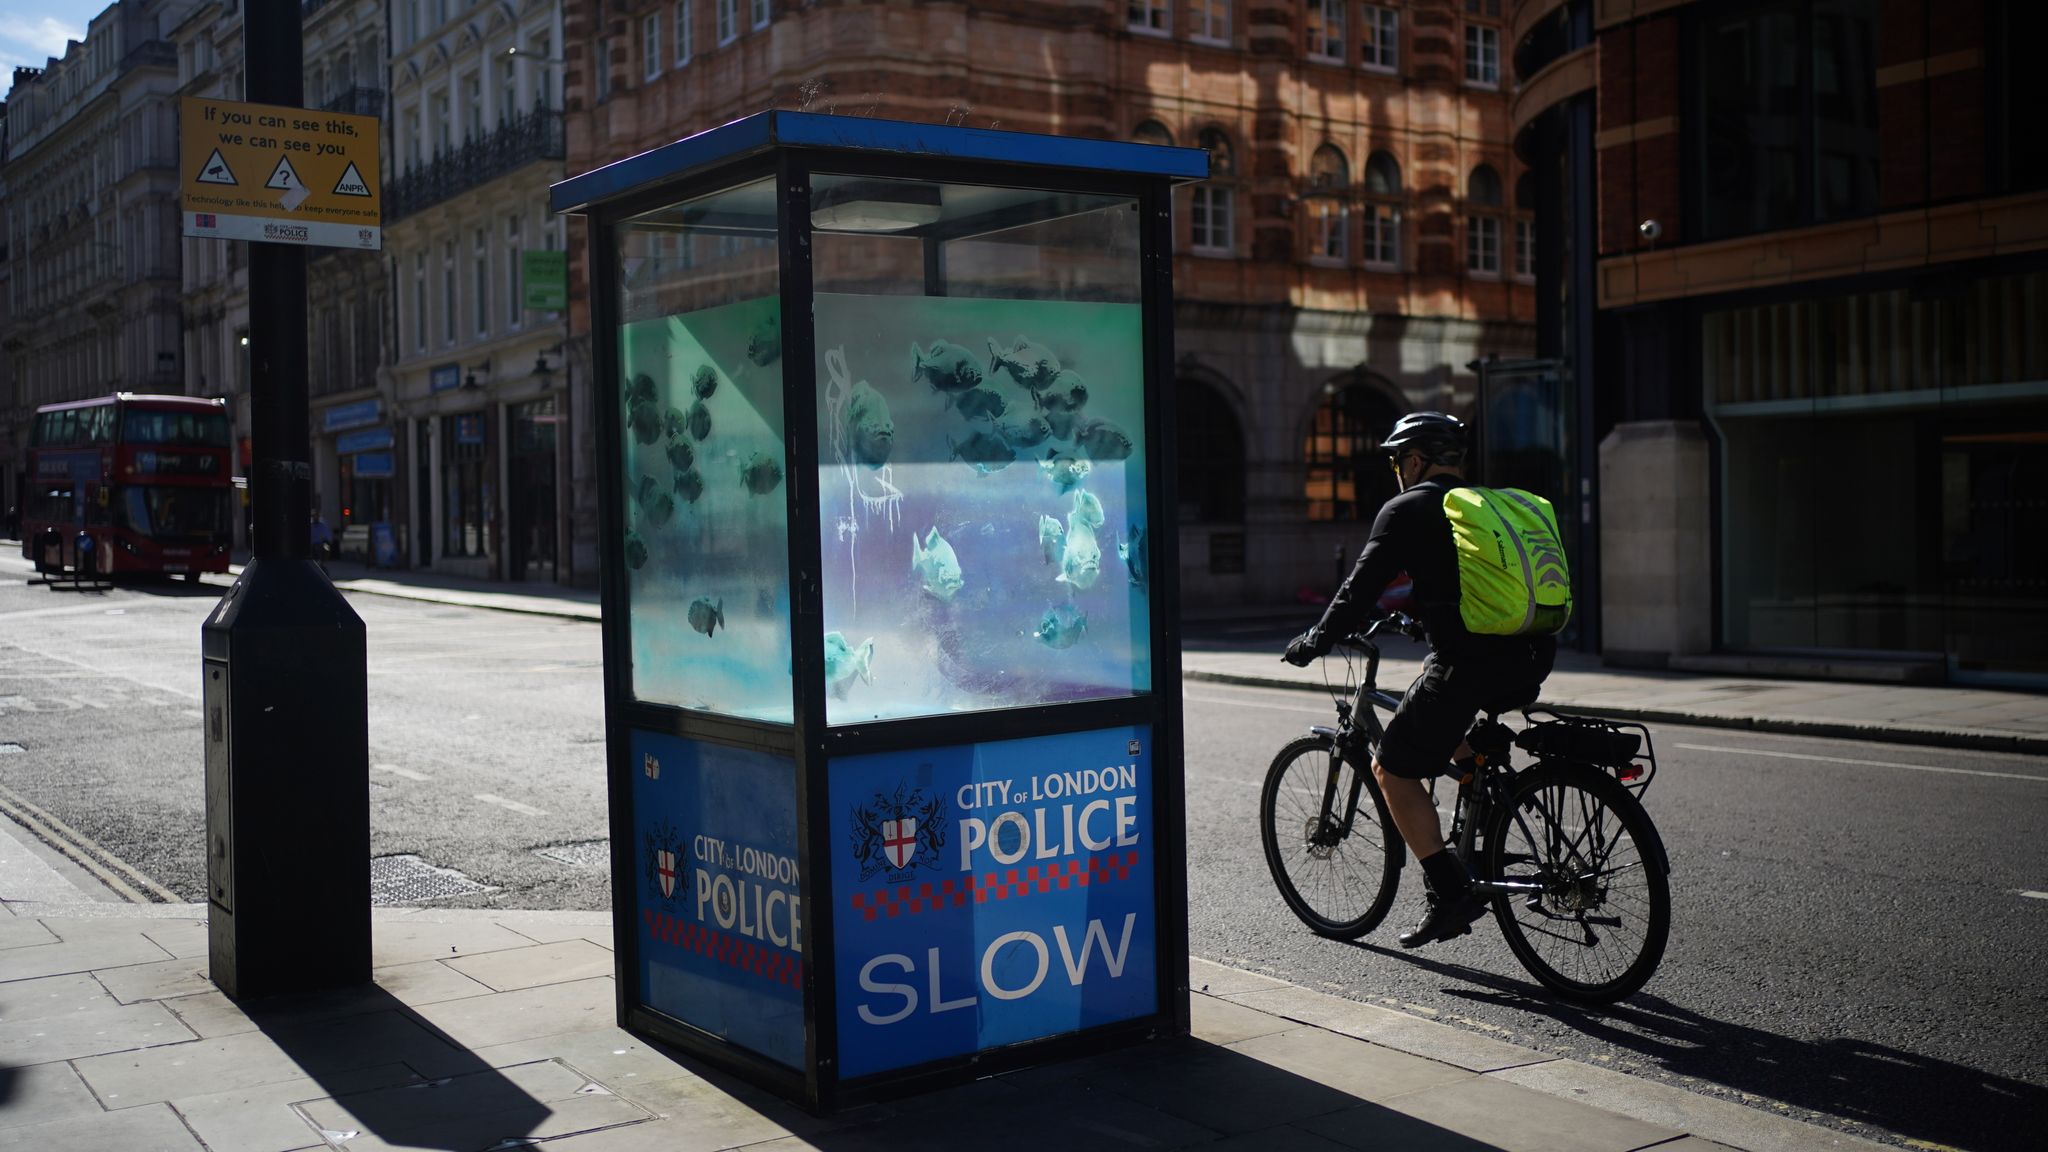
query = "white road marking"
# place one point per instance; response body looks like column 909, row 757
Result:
column 406, row 773
column 2034, row 895
column 513, row 805
column 1867, row 763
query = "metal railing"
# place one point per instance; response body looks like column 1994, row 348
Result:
column 519, row 141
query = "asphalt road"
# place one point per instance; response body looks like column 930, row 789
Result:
column 1854, row 933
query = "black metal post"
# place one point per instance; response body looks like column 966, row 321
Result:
column 284, row 663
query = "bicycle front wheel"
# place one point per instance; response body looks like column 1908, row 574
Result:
column 1339, row 879
column 1596, row 928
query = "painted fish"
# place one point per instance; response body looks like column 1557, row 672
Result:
column 639, row 390
column 760, row 474
column 1028, row 363
column 1051, row 538
column 660, row 509
column 933, row 561
column 1067, row 392
column 946, row 367
column 870, row 432
column 707, row 617
column 1061, row 626
column 705, row 382
column 764, row 347
column 1027, row 433
column 1064, row 469
column 646, row 421
column 690, row 485
column 636, row 551
column 845, row 663
column 1103, row 440
column 698, row 420
column 1063, row 424
column 979, row 404
column 1132, row 553
column 673, row 423
column 1081, row 559
column 1087, row 509
column 643, row 491
column 985, row 450
column 680, row 455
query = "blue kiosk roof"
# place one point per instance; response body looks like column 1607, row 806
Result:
column 777, row 129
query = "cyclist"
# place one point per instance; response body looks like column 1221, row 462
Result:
column 1462, row 674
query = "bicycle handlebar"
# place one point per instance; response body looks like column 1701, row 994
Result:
column 1393, row 621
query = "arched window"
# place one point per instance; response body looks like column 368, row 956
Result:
column 1211, row 444
column 1152, row 132
column 1381, row 216
column 1482, row 221
column 1210, row 214
column 1348, row 477
column 1329, row 180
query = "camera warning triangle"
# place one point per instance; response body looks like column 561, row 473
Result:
column 215, row 170
column 351, row 182
column 284, row 176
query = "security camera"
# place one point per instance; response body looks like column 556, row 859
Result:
column 1650, row 229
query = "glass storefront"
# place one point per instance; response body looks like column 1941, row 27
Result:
column 532, row 489
column 465, row 484
column 1884, row 459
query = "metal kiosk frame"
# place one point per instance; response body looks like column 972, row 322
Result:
column 816, row 1069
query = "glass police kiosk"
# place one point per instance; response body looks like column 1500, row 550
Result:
column 892, row 667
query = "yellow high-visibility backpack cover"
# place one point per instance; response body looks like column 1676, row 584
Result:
column 1512, row 576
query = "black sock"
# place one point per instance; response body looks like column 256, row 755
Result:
column 1446, row 874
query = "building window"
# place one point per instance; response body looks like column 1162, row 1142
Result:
column 1490, row 8
column 1211, row 446
column 1154, row 16
column 1348, row 477
column 1379, row 38
column 1329, row 181
column 1209, row 20
column 1210, row 208
column 682, row 32
column 604, row 68
column 1152, row 132
column 650, row 46
column 448, row 291
column 763, row 11
column 419, row 301
column 512, row 302
column 1380, row 223
column 1525, row 250
column 482, row 287
column 443, row 141
column 728, row 21
column 1482, row 55
column 508, row 91
column 1325, row 20
column 462, row 483
column 473, row 93
column 1482, row 226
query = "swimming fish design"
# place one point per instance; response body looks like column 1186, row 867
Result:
column 1027, row 433
column 979, row 404
column 707, row 617
column 698, row 420
column 1087, row 509
column 1081, row 559
column 660, row 509
column 1103, row 440
column 764, row 347
column 845, row 663
column 870, row 432
column 985, row 450
column 639, row 390
column 933, row 560
column 673, row 423
column 1051, row 538
column 644, row 491
column 1067, row 392
column 1061, row 626
column 760, row 474
column 1132, row 552
column 636, row 550
column 680, row 455
column 646, row 421
column 1028, row 364
column 1065, row 470
column 946, row 367
column 689, row 485
column 705, row 382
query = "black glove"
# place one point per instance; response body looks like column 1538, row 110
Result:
column 1306, row 648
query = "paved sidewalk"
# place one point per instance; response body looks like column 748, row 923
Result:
column 489, row 1030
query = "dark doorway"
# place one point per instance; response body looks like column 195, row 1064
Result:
column 534, row 552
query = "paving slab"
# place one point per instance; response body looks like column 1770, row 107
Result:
column 252, row 1058
column 410, row 941
column 541, row 1100
column 183, row 939
column 535, row 965
column 163, row 980
column 1721, row 1121
column 152, row 1129
column 1507, row 1115
column 1391, row 1029
column 44, row 1092
column 422, row 982
column 90, row 1033
column 81, row 955
column 1223, row 980
column 261, row 1118
column 1219, row 1021
column 1366, row 1071
column 1206, row 1085
column 18, row 933
column 52, row 996
column 525, row 1014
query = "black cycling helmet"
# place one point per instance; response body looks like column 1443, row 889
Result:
column 1437, row 438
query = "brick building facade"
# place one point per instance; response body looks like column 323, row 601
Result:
column 1358, row 245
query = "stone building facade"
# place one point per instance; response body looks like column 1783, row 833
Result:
column 1357, row 247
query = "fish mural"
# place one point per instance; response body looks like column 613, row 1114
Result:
column 1029, row 364
column 979, row 404
column 689, row 485
column 1087, row 509
column 934, row 562
column 1061, row 626
column 984, row 450
column 1131, row 551
column 661, row 509
column 1102, row 440
column 698, row 421
column 764, row 346
column 869, row 430
column 1026, row 433
column 673, row 424
column 760, row 474
column 1066, row 392
column 1065, row 470
column 639, row 390
column 680, row 455
column 946, row 367
column 845, row 663
column 704, row 382
column 645, row 421
column 707, row 617
column 1081, row 559
column 1051, row 538
column 644, row 491
column 636, row 550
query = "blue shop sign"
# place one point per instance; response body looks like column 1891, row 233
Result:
column 717, row 891
column 469, row 428
column 384, row 544
column 443, row 377
column 374, row 466
column 367, row 440
column 351, row 415
column 990, row 894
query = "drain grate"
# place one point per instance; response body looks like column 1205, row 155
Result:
column 592, row 854
column 402, row 880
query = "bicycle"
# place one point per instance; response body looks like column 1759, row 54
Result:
column 1579, row 879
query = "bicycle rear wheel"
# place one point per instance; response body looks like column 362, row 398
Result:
column 1340, row 882
column 1596, row 931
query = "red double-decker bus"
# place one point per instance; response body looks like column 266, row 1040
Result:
column 148, row 478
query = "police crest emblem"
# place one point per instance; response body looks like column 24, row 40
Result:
column 662, row 865
column 898, row 831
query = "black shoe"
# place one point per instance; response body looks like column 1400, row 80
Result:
column 1446, row 918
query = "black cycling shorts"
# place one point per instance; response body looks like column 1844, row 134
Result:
column 1439, row 707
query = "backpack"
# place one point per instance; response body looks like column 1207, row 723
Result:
column 1512, row 575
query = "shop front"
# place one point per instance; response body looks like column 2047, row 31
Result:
column 357, row 496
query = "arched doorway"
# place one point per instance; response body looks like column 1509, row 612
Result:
column 1211, row 444
column 1347, row 474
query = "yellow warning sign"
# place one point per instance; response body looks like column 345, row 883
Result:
column 284, row 175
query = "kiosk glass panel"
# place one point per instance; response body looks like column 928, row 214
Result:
column 981, row 408
column 707, row 520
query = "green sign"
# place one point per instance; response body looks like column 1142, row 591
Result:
column 545, row 277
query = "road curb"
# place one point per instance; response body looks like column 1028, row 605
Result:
column 1962, row 740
